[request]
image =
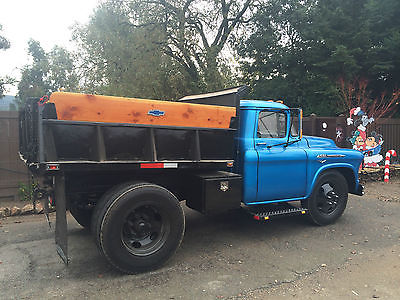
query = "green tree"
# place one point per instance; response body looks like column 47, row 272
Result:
column 4, row 42
column 299, row 50
column 4, row 81
column 275, row 56
column 176, row 45
column 48, row 72
column 196, row 33
column 118, row 59
column 357, row 39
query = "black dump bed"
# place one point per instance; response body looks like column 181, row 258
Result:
column 48, row 144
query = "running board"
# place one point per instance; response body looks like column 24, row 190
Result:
column 268, row 211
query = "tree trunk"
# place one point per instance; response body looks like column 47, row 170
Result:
column 212, row 76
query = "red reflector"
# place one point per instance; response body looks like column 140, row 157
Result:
column 257, row 218
column 53, row 167
column 152, row 166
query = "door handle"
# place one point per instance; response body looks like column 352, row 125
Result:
column 261, row 144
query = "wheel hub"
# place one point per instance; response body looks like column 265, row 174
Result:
column 142, row 227
column 328, row 200
column 143, row 231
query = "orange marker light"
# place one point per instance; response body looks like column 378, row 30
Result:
column 301, row 123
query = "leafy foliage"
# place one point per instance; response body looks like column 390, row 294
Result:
column 4, row 42
column 26, row 191
column 118, row 59
column 298, row 50
column 356, row 94
column 4, row 81
column 161, row 48
column 47, row 73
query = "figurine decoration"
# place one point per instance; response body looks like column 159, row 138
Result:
column 369, row 144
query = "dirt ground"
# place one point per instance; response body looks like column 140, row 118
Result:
column 230, row 256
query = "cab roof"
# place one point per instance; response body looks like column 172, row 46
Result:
column 253, row 104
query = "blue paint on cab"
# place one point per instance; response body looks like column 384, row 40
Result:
column 283, row 173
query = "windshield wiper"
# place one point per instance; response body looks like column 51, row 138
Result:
column 285, row 143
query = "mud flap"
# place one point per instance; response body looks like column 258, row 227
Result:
column 61, row 218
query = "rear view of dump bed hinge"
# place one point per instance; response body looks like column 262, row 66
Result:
column 266, row 212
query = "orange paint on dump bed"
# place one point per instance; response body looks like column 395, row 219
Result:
column 95, row 108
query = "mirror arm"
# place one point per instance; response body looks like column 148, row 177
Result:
column 290, row 128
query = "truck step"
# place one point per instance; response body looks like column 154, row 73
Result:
column 266, row 212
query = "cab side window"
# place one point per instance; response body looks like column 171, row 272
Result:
column 271, row 124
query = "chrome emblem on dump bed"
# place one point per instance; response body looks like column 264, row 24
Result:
column 156, row 113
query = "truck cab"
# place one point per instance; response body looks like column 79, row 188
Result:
column 280, row 165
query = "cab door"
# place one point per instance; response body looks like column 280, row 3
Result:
column 282, row 171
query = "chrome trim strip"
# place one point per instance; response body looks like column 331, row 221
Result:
column 330, row 155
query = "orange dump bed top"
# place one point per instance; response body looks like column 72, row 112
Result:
column 95, row 108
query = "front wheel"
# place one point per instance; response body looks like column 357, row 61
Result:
column 329, row 198
column 139, row 226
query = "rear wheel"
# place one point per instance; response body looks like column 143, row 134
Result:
column 138, row 226
column 329, row 198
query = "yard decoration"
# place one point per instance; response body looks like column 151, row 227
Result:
column 339, row 134
column 369, row 144
column 366, row 107
column 387, row 163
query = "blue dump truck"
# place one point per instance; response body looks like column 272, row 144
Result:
column 127, row 181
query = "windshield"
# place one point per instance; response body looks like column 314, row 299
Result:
column 271, row 124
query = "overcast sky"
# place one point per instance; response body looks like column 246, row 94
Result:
column 48, row 21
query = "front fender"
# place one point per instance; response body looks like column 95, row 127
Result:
column 346, row 161
column 353, row 188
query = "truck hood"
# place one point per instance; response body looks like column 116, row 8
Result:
column 319, row 142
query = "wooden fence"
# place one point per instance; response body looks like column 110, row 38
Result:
column 389, row 128
column 13, row 171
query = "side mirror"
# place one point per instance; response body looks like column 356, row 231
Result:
column 296, row 121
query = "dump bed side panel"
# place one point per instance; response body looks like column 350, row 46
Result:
column 46, row 139
column 101, row 142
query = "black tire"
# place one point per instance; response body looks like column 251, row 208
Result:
column 138, row 226
column 82, row 215
column 328, row 199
